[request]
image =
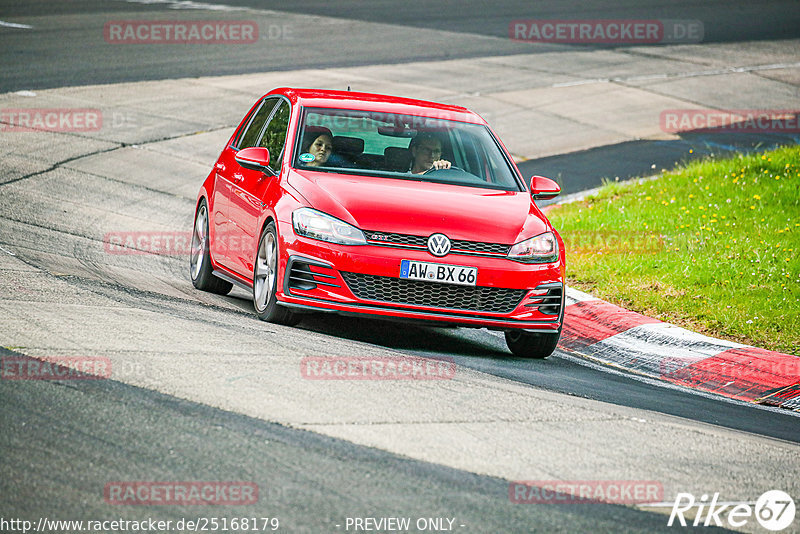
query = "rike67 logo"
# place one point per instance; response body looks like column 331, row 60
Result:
column 774, row 510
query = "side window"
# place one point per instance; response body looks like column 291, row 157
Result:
column 274, row 137
column 253, row 130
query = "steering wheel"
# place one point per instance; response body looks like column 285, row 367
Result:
column 450, row 168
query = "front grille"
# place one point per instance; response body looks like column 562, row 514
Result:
column 398, row 239
column 474, row 247
column 483, row 248
column 432, row 294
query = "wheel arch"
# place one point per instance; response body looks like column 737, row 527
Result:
column 270, row 218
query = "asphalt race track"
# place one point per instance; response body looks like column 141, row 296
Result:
column 200, row 390
column 67, row 51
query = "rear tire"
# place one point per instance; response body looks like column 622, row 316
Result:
column 531, row 345
column 265, row 281
column 200, row 269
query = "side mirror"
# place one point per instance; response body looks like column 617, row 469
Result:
column 255, row 158
column 544, row 188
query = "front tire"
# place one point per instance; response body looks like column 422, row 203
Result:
column 531, row 345
column 200, row 269
column 265, row 281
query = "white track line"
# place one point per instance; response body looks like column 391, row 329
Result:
column 15, row 25
column 186, row 4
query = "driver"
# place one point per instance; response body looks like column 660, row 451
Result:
column 426, row 153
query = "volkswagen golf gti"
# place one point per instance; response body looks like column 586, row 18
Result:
column 380, row 206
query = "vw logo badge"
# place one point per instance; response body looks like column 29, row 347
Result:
column 438, row 245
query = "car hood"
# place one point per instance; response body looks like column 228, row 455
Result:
column 401, row 206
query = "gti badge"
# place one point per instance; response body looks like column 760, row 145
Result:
column 438, row 245
column 379, row 237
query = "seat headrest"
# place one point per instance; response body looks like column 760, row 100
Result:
column 397, row 158
column 348, row 145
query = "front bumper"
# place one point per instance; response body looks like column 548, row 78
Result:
column 364, row 280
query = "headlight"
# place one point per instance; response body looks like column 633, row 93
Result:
column 311, row 223
column 540, row 249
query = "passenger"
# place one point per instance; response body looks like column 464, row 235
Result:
column 426, row 153
column 317, row 141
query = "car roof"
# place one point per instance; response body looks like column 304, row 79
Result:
column 327, row 98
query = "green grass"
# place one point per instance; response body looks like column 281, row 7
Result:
column 713, row 246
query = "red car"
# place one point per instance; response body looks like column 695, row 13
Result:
column 380, row 206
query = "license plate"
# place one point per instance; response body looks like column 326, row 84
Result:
column 438, row 272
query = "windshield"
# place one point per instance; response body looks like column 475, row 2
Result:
column 402, row 146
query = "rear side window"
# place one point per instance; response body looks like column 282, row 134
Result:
column 274, row 138
column 252, row 131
